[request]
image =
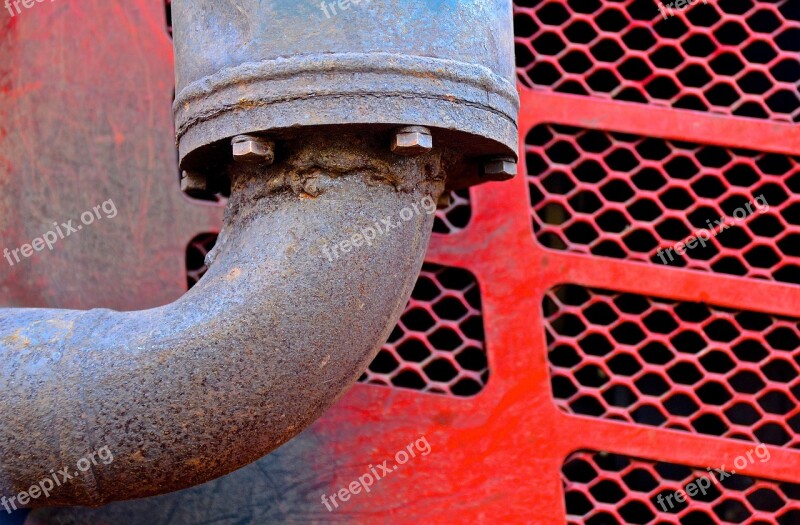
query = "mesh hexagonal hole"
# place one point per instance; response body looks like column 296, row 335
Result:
column 456, row 216
column 196, row 252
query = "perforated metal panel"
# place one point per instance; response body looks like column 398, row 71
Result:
column 678, row 365
column 697, row 343
column 733, row 57
column 627, row 197
column 438, row 345
column 610, row 488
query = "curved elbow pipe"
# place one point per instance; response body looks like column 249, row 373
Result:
column 316, row 259
column 281, row 325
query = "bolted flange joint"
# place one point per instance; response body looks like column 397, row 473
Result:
column 412, row 140
column 193, row 184
column 250, row 148
column 499, row 169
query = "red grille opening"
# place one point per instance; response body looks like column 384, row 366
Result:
column 610, row 489
column 624, row 196
column 196, row 252
column 683, row 366
column 438, row 345
column 735, row 57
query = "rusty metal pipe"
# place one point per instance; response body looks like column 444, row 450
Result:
column 282, row 323
column 272, row 335
column 246, row 66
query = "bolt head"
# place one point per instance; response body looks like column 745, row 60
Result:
column 412, row 140
column 193, row 183
column 252, row 149
column 500, row 169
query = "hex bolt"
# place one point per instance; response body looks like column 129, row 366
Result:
column 412, row 140
column 193, row 183
column 500, row 168
column 249, row 148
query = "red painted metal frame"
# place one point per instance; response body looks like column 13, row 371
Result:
column 497, row 456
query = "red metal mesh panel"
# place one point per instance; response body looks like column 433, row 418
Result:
column 683, row 366
column 735, row 57
column 609, row 489
column 438, row 344
column 625, row 196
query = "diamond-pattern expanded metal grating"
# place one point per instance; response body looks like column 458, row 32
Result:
column 667, row 364
column 438, row 345
column 735, row 57
column 611, row 489
column 627, row 197
column 683, row 366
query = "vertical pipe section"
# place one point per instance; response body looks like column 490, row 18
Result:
column 245, row 66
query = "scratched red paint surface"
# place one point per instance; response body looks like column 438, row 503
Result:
column 85, row 117
column 496, row 457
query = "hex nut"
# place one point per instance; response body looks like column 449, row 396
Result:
column 503, row 168
column 193, row 183
column 247, row 148
column 412, row 140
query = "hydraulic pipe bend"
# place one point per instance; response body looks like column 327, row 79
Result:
column 275, row 332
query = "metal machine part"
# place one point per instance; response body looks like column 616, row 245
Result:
column 190, row 391
column 254, row 66
column 334, row 132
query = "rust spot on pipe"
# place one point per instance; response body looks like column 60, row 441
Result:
column 233, row 274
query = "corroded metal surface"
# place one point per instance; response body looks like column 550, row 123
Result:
column 258, row 349
column 195, row 389
column 250, row 66
column 80, row 125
